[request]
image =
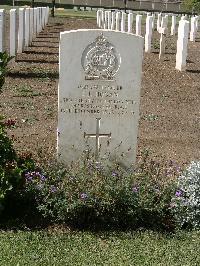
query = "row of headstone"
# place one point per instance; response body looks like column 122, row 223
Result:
column 117, row 21
column 31, row 21
column 112, row 20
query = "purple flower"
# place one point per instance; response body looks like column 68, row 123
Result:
column 83, row 196
column 179, row 193
column 114, row 174
column 135, row 189
column 53, row 189
column 98, row 165
column 28, row 177
column 42, row 177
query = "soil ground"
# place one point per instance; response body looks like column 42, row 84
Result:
column 170, row 100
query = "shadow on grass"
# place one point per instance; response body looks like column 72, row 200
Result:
column 40, row 41
column 49, row 46
column 40, row 52
column 195, row 71
column 37, row 61
column 30, row 75
column 46, row 37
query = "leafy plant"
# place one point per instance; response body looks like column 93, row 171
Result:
column 12, row 166
column 89, row 193
column 4, row 60
column 186, row 201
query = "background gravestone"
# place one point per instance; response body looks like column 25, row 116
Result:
column 99, row 94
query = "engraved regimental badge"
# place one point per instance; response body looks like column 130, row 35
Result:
column 100, row 60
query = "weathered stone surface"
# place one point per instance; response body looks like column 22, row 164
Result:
column 99, row 95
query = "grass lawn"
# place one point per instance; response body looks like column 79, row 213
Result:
column 83, row 248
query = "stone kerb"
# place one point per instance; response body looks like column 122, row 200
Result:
column 98, row 108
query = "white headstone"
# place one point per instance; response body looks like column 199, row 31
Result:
column 99, row 106
column 27, row 26
column 38, row 20
column 162, row 45
column 113, row 21
column 163, row 31
column 138, row 24
column 197, row 22
column 173, row 26
column 118, row 16
column 193, row 29
column 47, row 15
column 99, row 18
column 13, row 32
column 35, row 21
column 148, row 34
column 166, row 21
column 153, row 21
column 43, row 16
column 130, row 22
column 123, row 22
column 159, row 21
column 109, row 19
column 21, row 30
column 182, row 42
column 2, row 30
column 106, row 19
column 31, row 26
column 184, row 17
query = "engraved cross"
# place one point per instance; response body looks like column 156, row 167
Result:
column 97, row 136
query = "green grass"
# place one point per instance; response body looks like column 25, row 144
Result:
column 76, row 14
column 82, row 248
column 7, row 7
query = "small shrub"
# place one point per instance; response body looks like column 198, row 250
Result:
column 12, row 166
column 4, row 60
column 90, row 194
column 186, row 201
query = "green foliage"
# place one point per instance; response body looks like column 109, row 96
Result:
column 191, row 5
column 186, row 202
column 4, row 60
column 89, row 194
column 12, row 166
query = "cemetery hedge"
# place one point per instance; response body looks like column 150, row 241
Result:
column 88, row 195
